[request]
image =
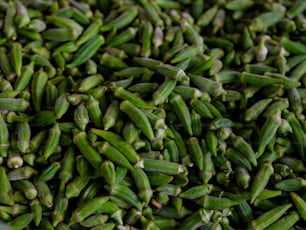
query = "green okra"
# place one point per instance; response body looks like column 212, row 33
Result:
column 138, row 117
column 243, row 177
column 126, row 194
column 269, row 217
column 196, row 153
column 196, row 192
column 60, row 34
column 258, row 80
column 299, row 203
column 90, row 32
column 14, row 104
column 111, row 115
column 185, row 54
column 114, row 155
column 40, row 60
column 163, row 91
column 82, row 166
column 60, row 209
column 135, row 100
column 22, row 17
column 81, row 117
column 146, row 33
column 91, row 154
column 214, row 88
column 6, row 192
column 121, row 21
column 15, row 56
column 109, row 173
column 119, row 122
column 123, row 37
column 52, row 141
column 238, row 158
column 256, row 109
column 37, row 25
column 269, row 129
column 211, row 141
column 152, row 12
column 201, row 108
column 39, row 82
column 266, row 20
column 266, row 194
column 145, row 87
column 169, row 189
column 293, row 47
column 9, row 27
column 89, row 49
column 291, row 185
column 276, row 107
column 112, row 62
column 86, row 209
column 21, row 221
column 294, row 163
column 94, row 220
column 24, row 136
column 25, row 172
column 36, row 209
column 26, row 187
column 115, row 140
column 161, row 166
column 94, row 111
column 261, row 180
column 182, row 112
column 61, row 105
column 44, row 193
column 215, row 203
column 51, row 94
column 245, row 148
column 90, row 82
column 90, row 191
column 286, row 222
column 14, row 159
column 298, row 134
column 143, row 184
column 74, row 188
column 107, row 226
column 4, row 138
column 49, row 172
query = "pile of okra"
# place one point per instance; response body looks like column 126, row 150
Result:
column 152, row 114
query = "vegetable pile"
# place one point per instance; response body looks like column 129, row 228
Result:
column 153, row 114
